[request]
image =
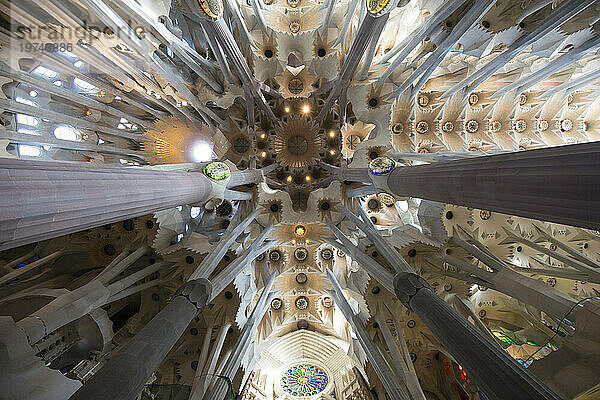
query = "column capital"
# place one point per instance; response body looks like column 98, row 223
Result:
column 197, row 292
column 407, row 284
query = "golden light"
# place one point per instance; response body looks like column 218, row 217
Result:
column 287, row 109
column 293, row 241
column 262, row 136
column 332, row 134
column 308, row 178
column 88, row 112
column 263, row 154
column 300, row 230
column 332, row 152
column 305, row 108
column 289, row 178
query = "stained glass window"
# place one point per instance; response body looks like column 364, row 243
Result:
column 503, row 337
column 304, row 380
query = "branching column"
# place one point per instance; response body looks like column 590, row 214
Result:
column 46, row 199
column 124, row 375
column 557, row 184
column 492, row 369
column 496, row 373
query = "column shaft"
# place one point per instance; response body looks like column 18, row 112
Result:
column 496, row 373
column 46, row 199
column 556, row 184
column 124, row 375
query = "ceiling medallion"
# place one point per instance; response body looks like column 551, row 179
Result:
column 212, row 8
column 447, row 127
column 300, row 230
column 472, row 126
column 495, row 126
column 520, row 125
column 422, row 100
column 276, row 303
column 386, row 198
column 566, row 125
column 327, row 302
column 295, row 86
column 297, row 142
column 326, row 254
column 352, row 141
column 293, row 3
column 275, row 255
column 485, row 214
column 522, row 99
column 301, row 278
column 301, row 303
column 217, row 171
column 422, row 127
column 397, row 128
column 543, row 125
column 300, row 254
column 295, row 26
column 304, row 380
column 473, row 99
column 381, row 165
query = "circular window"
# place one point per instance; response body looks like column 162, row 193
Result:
column 301, row 303
column 520, row 125
column 304, row 380
column 327, row 302
column 300, row 254
column 473, row 99
column 276, row 303
column 300, row 230
column 386, row 198
column 422, row 127
column 382, row 165
column 275, row 255
column 373, row 204
column 326, row 254
column 295, row 26
column 472, row 126
column 448, row 127
column 397, row 128
column 301, row 278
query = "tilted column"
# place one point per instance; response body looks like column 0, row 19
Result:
column 493, row 370
column 218, row 387
column 496, row 373
column 124, row 375
column 388, row 378
column 556, row 184
column 46, row 199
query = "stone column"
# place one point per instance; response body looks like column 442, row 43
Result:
column 496, row 373
column 556, row 184
column 46, row 199
column 394, row 385
column 124, row 375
